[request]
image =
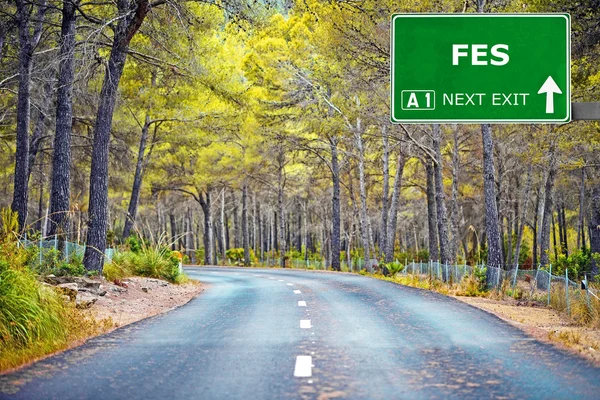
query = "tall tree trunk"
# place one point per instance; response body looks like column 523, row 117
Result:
column 205, row 204
column 281, row 221
column 394, row 208
column 299, row 231
column 580, row 226
column 60, row 193
column 434, row 254
column 335, row 207
column 454, row 222
column 173, row 231
column 594, row 223
column 523, row 215
column 555, row 242
column 442, row 215
column 385, row 196
column 40, row 127
column 564, row 243
column 137, row 181
column 364, row 223
column 223, row 228
column 548, row 208
column 245, row 238
column 491, row 208
column 132, row 13
column 27, row 44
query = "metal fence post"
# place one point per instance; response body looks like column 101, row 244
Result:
column 515, row 278
column 567, row 290
column 497, row 277
column 55, row 242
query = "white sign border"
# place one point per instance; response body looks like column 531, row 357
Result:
column 566, row 16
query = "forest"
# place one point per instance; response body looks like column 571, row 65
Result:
column 262, row 128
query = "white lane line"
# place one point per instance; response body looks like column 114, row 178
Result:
column 280, row 280
column 303, row 368
column 305, row 324
column 271, row 277
column 255, row 275
column 290, row 284
column 301, row 304
column 297, row 292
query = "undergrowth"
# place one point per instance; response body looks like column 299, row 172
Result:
column 35, row 319
column 142, row 259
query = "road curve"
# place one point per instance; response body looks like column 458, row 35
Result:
column 277, row 334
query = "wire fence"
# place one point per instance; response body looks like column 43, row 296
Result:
column 540, row 285
column 68, row 249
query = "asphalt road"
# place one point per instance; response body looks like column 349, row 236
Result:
column 278, row 334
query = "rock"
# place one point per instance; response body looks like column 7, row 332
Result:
column 385, row 271
column 80, row 281
column 118, row 289
column 85, row 300
column 68, row 289
column 145, row 289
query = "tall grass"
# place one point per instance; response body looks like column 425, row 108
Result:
column 34, row 318
column 143, row 259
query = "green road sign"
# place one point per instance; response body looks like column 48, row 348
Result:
column 467, row 68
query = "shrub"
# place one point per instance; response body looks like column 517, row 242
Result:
column 152, row 261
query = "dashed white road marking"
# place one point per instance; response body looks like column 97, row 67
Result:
column 271, row 277
column 290, row 284
column 255, row 275
column 303, row 368
column 305, row 324
column 280, row 280
column 297, row 292
column 301, row 304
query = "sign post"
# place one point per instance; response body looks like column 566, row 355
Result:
column 480, row 68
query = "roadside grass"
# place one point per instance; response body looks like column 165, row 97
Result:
column 142, row 259
column 35, row 319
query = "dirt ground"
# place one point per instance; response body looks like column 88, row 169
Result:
column 141, row 298
column 544, row 324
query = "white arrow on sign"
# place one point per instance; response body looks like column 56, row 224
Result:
column 549, row 87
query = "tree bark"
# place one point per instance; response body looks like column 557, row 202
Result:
column 523, row 216
column 454, row 222
column 137, row 181
column 27, row 44
column 495, row 256
column 548, row 208
column 40, row 127
column 432, row 213
column 281, row 221
column 580, row 226
column 335, row 207
column 223, row 228
column 205, row 204
column 385, row 196
column 394, row 208
column 60, row 193
column 132, row 13
column 173, row 231
column 442, row 215
column 364, row 222
column 594, row 225
column 245, row 238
